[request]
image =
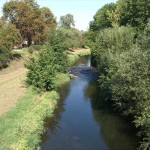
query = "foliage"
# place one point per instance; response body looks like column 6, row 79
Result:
column 143, row 39
column 112, row 40
column 67, row 21
column 89, row 38
column 32, row 21
column 134, row 13
column 9, row 36
column 44, row 67
column 60, row 79
column 34, row 48
column 124, row 68
column 70, row 38
column 101, row 18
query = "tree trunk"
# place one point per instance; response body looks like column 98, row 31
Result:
column 29, row 40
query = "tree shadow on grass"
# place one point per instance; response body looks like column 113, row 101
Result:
column 16, row 56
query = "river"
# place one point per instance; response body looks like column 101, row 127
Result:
column 79, row 125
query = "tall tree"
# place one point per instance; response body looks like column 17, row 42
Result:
column 28, row 18
column 49, row 23
column 67, row 20
column 134, row 12
column 102, row 18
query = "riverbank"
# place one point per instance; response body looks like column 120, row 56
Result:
column 74, row 55
column 11, row 81
column 21, row 127
column 77, row 113
column 12, row 78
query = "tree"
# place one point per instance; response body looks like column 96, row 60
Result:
column 49, row 24
column 67, row 21
column 101, row 18
column 9, row 36
column 134, row 12
column 50, row 61
column 70, row 37
column 29, row 19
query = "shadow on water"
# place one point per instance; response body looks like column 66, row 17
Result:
column 117, row 132
column 78, row 124
column 52, row 124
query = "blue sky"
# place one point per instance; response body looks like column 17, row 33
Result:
column 82, row 10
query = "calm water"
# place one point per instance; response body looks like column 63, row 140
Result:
column 79, row 125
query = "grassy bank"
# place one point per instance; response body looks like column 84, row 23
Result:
column 11, row 81
column 76, row 54
column 20, row 128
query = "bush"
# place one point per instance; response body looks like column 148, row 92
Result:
column 111, row 41
column 124, row 79
column 34, row 48
column 9, row 35
column 45, row 66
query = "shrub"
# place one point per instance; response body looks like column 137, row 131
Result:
column 111, row 41
column 124, row 79
column 34, row 48
column 44, row 66
column 9, row 35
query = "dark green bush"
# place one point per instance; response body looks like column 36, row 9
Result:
column 111, row 41
column 34, row 48
column 125, row 67
column 9, row 35
column 45, row 66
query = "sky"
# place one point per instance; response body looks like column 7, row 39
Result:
column 82, row 10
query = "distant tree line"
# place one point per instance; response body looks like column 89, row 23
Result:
column 119, row 37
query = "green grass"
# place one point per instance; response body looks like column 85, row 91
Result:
column 22, row 52
column 75, row 57
column 60, row 79
column 84, row 53
column 20, row 129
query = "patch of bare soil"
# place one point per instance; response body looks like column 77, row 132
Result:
column 12, row 85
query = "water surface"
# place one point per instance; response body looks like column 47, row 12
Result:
column 79, row 125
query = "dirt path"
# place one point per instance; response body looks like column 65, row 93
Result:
column 11, row 85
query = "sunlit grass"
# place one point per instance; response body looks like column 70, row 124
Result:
column 21, row 127
column 60, row 79
column 23, row 52
column 74, row 57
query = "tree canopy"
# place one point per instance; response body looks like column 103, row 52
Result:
column 119, row 37
column 134, row 12
column 67, row 20
column 9, row 36
column 101, row 18
column 32, row 21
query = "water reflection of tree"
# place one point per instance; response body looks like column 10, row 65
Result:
column 82, row 60
column 117, row 133
column 52, row 124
